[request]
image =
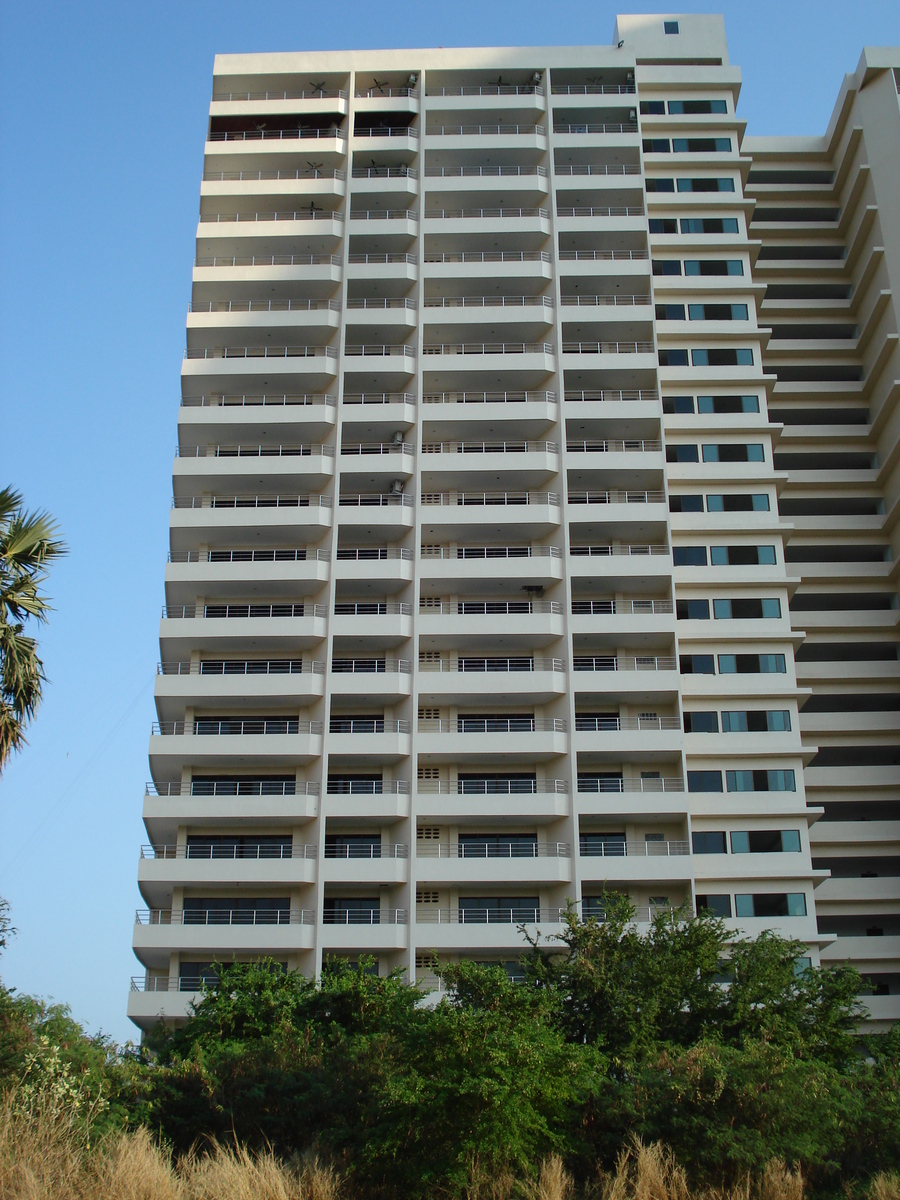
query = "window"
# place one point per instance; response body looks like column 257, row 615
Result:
column 715, row 905
column 660, row 184
column 709, row 225
column 725, row 405
column 701, row 145
column 760, row 781
column 766, row 841
column 701, row 722
column 702, row 184
column 758, row 721
column 722, row 356
column 742, row 502
column 653, row 108
column 747, row 609
column 673, row 358
column 679, row 504
column 670, row 26
column 722, row 312
column 734, row 452
column 770, row 904
column 677, row 404
column 666, row 266
column 713, row 266
column 679, row 454
column 752, row 664
column 689, row 556
column 663, row 225
column 695, row 108
column 655, row 145
column 740, row 556
column 692, row 610
column 709, row 842
column 696, row 664
column 670, row 312
column 704, row 781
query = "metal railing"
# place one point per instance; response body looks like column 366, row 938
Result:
column 264, row 400
column 375, row 93
column 501, row 130
column 492, row 787
column 609, row 783
column 239, row 851
column 498, row 849
column 300, row 214
column 595, row 127
column 643, row 914
column 357, row 725
column 376, row 351
column 489, row 552
column 365, row 916
column 259, row 176
column 400, row 172
column 299, row 554
column 592, row 89
column 489, row 397
column 265, row 135
column 217, row 306
column 382, row 259
column 372, row 608
column 489, row 302
column 236, row 727
column 240, row 666
column 489, row 348
column 296, row 94
column 226, row 611
column 491, row 256
column 371, row 666
column 498, row 724
column 384, row 214
column 385, row 850
column 367, row 787
column 483, row 608
column 611, row 723
column 382, row 302
column 267, row 260
column 234, row 787
column 607, row 347
column 615, row 446
column 297, row 450
column 162, row 983
column 490, row 448
column 618, row 496
column 618, row 608
column 225, row 916
column 427, row 914
column 261, row 352
column 479, row 172
column 623, row 662
column 477, row 213
column 636, row 550
column 376, row 500
column 490, row 498
column 604, row 255
column 612, row 394
column 388, row 131
column 652, row 849
column 599, row 169
column 361, row 449
column 614, row 301
column 490, row 89
column 374, row 553
column 308, row 500
column 378, row 398
column 602, row 210
column 471, row 664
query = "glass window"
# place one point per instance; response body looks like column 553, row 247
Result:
column 755, row 502
column 708, row 842
column 659, row 184
column 689, row 556
column 683, row 504
column 673, row 405
column 682, row 453
column 673, row 358
column 716, row 905
column 656, row 145
column 696, row 664
column 696, row 107
column 706, row 185
column 733, row 452
column 722, row 356
column 667, row 266
column 701, row 722
column 713, row 266
column 709, row 225
column 704, row 781
column 653, row 108
column 692, row 610
column 701, row 145
column 771, row 904
column 663, row 225
column 724, row 405
column 670, row 26
column 671, row 312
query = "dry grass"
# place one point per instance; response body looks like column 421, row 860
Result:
column 652, row 1173
column 885, row 1187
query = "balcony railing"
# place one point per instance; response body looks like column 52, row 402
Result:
column 607, row 347
column 388, row 131
column 380, row 850
column 611, row 849
column 614, row 394
column 375, row 93
column 296, row 94
column 239, row 666
column 592, row 89
column 482, row 172
column 376, row 500
column 280, row 173
column 400, row 172
column 489, row 302
column 512, row 724
column 295, row 450
column 267, row 260
column 378, row 398
column 489, row 397
column 260, row 135
column 491, row 89
column 618, row 496
column 635, row 550
column 469, row 664
column 163, row 983
column 363, row 449
column 615, row 446
column 603, row 255
column 300, row 214
column 376, row 351
column 602, row 210
column 613, row 724
column 659, row 783
column 489, row 552
column 371, row 666
column 598, row 169
column 488, row 348
column 365, row 916
column 357, row 725
column 384, row 214
column 595, row 127
column 427, row 914
column 490, row 447
column 374, row 553
column 225, row 916
column 493, row 850
column 492, row 787
column 310, row 500
column 614, row 301
column 299, row 554
column 234, row 787
column 238, row 852
column 372, row 608
column 491, row 256
column 381, row 259
column 483, row 608
column 382, row 302
column 265, row 400
column 181, row 612
column 221, row 306
column 490, row 498
column 261, row 352
column 502, row 130
column 367, row 787
column 237, row 727
column 623, row 662
column 478, row 213
column 606, row 608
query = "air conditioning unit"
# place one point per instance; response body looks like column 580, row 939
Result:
column 396, row 487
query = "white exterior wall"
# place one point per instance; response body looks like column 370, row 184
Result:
column 510, row 450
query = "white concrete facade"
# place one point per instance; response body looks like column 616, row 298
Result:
column 477, row 600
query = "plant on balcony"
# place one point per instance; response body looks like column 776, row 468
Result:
column 28, row 544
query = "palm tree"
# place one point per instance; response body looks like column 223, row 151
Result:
column 28, row 544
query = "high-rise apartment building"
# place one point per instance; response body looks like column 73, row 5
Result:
column 517, row 457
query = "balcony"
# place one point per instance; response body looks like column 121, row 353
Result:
column 448, row 229
column 367, row 801
column 468, row 930
column 220, row 417
column 283, row 571
column 521, row 364
column 389, row 459
column 234, row 466
column 456, row 863
column 458, row 622
column 225, row 802
column 493, row 566
column 375, row 739
column 527, row 141
column 223, row 741
column 216, row 627
column 221, row 272
column 377, row 622
column 460, row 515
column 524, row 739
column 463, row 679
column 387, row 515
column 214, row 933
column 530, row 267
column 228, row 233
column 397, row 409
column 387, row 679
column 531, row 411
column 365, row 930
column 621, row 617
column 461, row 464
column 397, row 267
column 323, row 182
column 492, row 799
column 617, row 508
column 523, row 318
column 388, row 567
column 382, row 864
column 152, row 999
column 163, row 867
column 253, row 681
column 391, row 365
column 231, row 366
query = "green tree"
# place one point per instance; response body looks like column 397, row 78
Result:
column 28, row 544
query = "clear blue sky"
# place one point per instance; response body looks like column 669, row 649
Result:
column 101, row 142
